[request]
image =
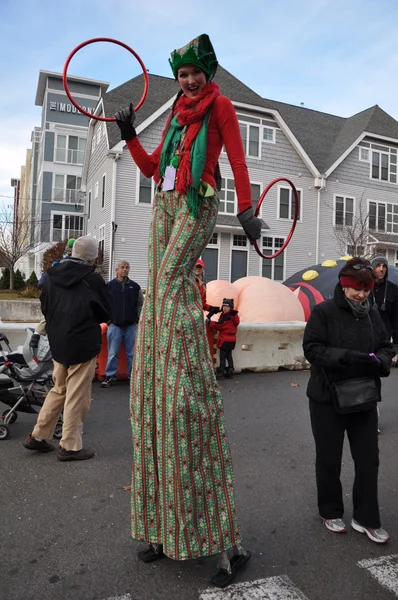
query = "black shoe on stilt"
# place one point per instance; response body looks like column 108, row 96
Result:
column 153, row 552
column 225, row 577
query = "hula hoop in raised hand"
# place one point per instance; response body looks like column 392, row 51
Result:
column 295, row 218
column 92, row 41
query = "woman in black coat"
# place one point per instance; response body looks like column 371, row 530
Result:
column 345, row 339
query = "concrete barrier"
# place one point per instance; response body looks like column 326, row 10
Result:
column 260, row 347
column 265, row 347
column 28, row 311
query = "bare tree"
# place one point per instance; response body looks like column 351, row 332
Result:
column 15, row 239
column 353, row 235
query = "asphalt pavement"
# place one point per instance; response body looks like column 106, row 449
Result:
column 65, row 526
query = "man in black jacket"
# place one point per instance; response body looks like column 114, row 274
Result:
column 127, row 301
column 74, row 302
column 385, row 297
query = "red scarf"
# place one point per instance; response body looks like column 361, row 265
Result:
column 191, row 112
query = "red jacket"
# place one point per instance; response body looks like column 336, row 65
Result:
column 202, row 290
column 227, row 325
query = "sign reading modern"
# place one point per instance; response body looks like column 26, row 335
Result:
column 69, row 108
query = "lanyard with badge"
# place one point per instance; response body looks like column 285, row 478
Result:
column 170, row 174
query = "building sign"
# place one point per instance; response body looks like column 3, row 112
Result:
column 69, row 108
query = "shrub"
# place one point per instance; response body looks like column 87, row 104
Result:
column 19, row 283
column 5, row 279
column 53, row 254
column 32, row 280
column 30, row 291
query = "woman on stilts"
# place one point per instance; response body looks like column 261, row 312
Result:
column 183, row 501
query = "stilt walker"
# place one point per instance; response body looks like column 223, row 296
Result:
column 183, row 501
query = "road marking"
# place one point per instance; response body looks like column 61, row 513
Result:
column 125, row 597
column 384, row 570
column 272, row 588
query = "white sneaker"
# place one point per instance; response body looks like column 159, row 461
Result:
column 380, row 535
column 335, row 525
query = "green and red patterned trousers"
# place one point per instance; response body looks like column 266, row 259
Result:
column 182, row 480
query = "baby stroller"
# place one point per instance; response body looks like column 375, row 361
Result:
column 25, row 380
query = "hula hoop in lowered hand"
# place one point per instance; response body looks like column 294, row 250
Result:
column 92, row 41
column 295, row 218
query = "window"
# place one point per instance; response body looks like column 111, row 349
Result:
column 213, row 240
column 355, row 250
column 145, row 194
column 66, row 226
column 101, row 243
column 343, row 211
column 96, row 187
column 286, row 203
column 273, row 269
column 70, row 149
column 67, row 188
column 256, row 193
column 269, row 135
column 103, row 191
column 384, row 163
column 383, row 216
column 89, row 205
column 250, row 135
column 227, row 197
column 238, row 257
column 364, row 154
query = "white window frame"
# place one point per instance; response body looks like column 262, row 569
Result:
column 217, row 247
column 291, row 204
column 392, row 163
column 65, row 190
column 217, row 244
column 103, row 191
column 242, row 248
column 335, row 196
column 260, row 133
column 96, row 190
column 101, row 238
column 89, row 204
column 226, row 179
column 67, row 136
column 273, row 129
column 273, row 250
column 362, row 151
column 63, row 215
column 138, row 186
column 388, row 222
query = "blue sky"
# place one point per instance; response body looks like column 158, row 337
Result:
column 336, row 56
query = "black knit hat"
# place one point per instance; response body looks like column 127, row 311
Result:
column 228, row 302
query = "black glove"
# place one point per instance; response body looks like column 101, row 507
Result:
column 125, row 120
column 250, row 223
column 213, row 311
column 34, row 341
column 357, row 359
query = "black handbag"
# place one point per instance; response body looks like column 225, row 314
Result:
column 354, row 395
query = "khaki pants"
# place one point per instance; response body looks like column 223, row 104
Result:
column 71, row 392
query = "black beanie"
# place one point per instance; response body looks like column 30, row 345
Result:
column 228, row 302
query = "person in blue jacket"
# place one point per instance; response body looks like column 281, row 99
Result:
column 127, row 301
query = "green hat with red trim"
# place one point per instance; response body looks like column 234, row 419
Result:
column 198, row 52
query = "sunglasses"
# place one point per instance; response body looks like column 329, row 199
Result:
column 199, row 267
column 360, row 267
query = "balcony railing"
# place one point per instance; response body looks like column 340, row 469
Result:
column 72, row 157
column 66, row 234
column 70, row 196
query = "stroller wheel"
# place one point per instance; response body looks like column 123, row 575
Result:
column 58, row 432
column 13, row 418
column 4, row 432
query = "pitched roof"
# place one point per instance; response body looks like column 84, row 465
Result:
column 324, row 137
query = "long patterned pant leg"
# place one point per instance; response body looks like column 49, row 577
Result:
column 183, row 494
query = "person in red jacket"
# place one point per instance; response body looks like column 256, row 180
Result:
column 199, row 278
column 227, row 325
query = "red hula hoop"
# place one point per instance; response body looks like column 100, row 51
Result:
column 295, row 218
column 92, row 41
